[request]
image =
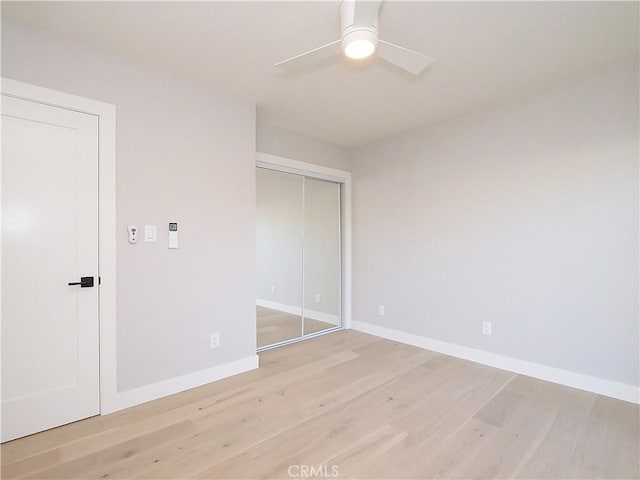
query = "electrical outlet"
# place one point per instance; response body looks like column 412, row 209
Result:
column 214, row 339
column 273, row 289
column 381, row 310
column 317, row 298
column 487, row 328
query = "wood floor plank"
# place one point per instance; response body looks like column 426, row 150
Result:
column 337, row 429
column 240, row 413
column 553, row 455
column 277, row 413
column 90, row 466
column 452, row 392
column 370, row 408
column 611, row 427
column 30, row 464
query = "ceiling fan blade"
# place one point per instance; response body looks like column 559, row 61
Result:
column 365, row 13
column 404, row 58
column 311, row 57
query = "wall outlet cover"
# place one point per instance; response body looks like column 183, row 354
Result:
column 487, row 328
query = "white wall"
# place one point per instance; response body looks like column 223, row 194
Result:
column 284, row 143
column 525, row 215
column 184, row 154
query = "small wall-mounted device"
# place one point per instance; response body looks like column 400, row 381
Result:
column 150, row 233
column 133, row 233
column 173, row 235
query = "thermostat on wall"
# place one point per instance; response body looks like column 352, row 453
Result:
column 173, row 235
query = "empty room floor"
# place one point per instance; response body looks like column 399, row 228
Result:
column 353, row 406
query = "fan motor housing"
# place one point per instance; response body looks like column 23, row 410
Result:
column 347, row 16
column 352, row 32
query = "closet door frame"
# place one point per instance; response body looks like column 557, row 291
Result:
column 342, row 177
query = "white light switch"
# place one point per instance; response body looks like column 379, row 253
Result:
column 150, row 233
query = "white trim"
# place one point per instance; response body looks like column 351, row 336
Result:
column 341, row 176
column 179, row 384
column 303, row 244
column 280, row 307
column 321, row 316
column 106, row 114
column 609, row 388
column 313, row 314
column 282, row 164
column 298, row 339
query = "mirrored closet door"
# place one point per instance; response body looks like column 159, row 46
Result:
column 321, row 256
column 298, row 257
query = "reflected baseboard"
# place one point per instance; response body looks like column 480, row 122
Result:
column 313, row 314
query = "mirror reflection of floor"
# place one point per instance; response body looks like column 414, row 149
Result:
column 275, row 326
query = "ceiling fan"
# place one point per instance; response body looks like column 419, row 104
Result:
column 359, row 19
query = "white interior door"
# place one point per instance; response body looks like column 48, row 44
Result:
column 50, row 337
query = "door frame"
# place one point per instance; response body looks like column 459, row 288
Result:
column 288, row 165
column 106, row 114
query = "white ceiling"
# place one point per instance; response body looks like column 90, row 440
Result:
column 486, row 52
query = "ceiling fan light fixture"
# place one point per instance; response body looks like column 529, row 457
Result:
column 359, row 40
column 359, row 44
column 359, row 49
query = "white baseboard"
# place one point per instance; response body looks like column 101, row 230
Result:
column 313, row 314
column 323, row 317
column 609, row 388
column 161, row 389
column 281, row 307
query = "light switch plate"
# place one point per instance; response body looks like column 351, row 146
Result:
column 150, row 233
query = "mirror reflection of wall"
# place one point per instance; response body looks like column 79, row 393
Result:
column 279, row 231
column 321, row 255
column 298, row 256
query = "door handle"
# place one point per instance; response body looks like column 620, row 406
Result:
column 84, row 282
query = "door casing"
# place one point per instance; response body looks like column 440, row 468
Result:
column 106, row 114
column 288, row 165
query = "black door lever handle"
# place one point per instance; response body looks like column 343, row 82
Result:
column 84, row 282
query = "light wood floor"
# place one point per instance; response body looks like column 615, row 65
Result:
column 371, row 408
column 274, row 326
